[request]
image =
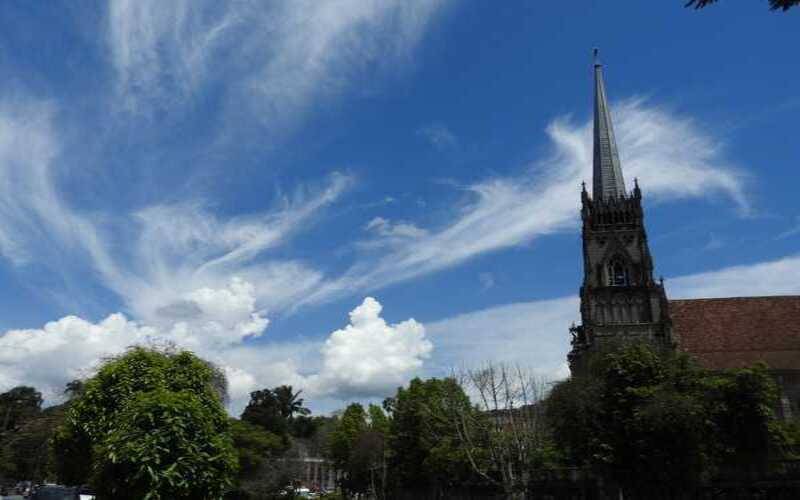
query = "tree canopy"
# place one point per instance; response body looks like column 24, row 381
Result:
column 274, row 410
column 18, row 405
column 773, row 4
column 652, row 419
column 150, row 424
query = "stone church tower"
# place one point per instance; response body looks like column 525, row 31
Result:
column 620, row 300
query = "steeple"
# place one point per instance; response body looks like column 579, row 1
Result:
column 607, row 173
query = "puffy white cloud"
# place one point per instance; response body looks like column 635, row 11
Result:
column 370, row 357
column 207, row 321
column 63, row 350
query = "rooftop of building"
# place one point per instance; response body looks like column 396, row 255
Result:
column 739, row 331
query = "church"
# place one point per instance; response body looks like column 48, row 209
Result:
column 621, row 301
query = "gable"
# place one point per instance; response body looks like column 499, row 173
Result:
column 739, row 331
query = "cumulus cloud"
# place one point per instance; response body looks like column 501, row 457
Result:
column 671, row 155
column 369, row 356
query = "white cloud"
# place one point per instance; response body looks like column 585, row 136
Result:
column 792, row 231
column 387, row 229
column 672, row 156
column 536, row 334
column 63, row 350
column 279, row 55
column 777, row 277
column 181, row 248
column 439, row 136
column 370, row 357
column 157, row 255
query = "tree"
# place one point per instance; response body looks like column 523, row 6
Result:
column 274, row 409
column 647, row 419
column 783, row 5
column 149, row 424
column 18, row 405
column 25, row 453
column 166, row 445
column 426, row 451
column 254, row 446
column 288, row 402
column 342, row 443
column 508, row 436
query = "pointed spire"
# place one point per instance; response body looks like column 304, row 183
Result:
column 608, row 181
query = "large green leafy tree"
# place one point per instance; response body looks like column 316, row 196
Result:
column 773, row 4
column 655, row 420
column 426, row 449
column 150, row 424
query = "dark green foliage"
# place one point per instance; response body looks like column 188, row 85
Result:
column 151, row 422
column 357, row 445
column 254, row 446
column 308, row 427
column 646, row 418
column 342, row 443
column 773, row 4
column 165, row 445
column 18, row 405
column 425, row 445
column 275, row 409
column 289, row 402
column 25, row 453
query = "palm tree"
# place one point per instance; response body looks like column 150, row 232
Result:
column 289, row 402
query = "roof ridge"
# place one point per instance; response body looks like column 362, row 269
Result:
column 738, row 298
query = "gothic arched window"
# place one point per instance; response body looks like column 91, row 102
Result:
column 618, row 272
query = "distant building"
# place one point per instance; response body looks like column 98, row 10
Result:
column 621, row 301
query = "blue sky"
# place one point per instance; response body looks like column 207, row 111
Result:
column 238, row 178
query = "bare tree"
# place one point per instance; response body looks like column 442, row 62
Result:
column 507, row 435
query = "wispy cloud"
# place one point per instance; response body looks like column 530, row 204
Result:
column 439, row 136
column 792, row 231
column 673, row 157
column 276, row 56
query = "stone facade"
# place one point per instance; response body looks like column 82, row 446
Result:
column 620, row 300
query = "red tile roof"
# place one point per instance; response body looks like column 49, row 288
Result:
column 738, row 331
